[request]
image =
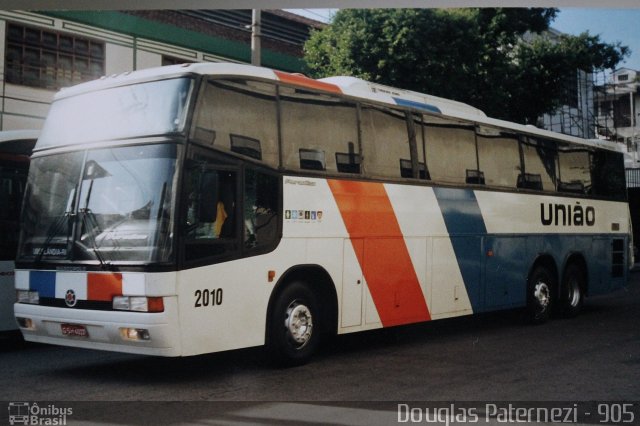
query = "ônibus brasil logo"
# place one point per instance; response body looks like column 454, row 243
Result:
column 25, row 413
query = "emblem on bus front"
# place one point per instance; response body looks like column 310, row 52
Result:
column 70, row 298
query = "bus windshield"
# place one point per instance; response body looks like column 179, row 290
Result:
column 106, row 205
column 144, row 109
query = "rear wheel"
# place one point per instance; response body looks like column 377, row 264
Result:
column 294, row 328
column 540, row 287
column 572, row 291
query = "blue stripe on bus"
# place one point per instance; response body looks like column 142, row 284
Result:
column 466, row 229
column 417, row 105
column 44, row 282
column 461, row 211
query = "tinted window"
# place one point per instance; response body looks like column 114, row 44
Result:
column 238, row 116
column 385, row 141
column 231, row 209
column 540, row 162
column 499, row 157
column 212, row 209
column 451, row 150
column 260, row 208
column 608, row 175
column 574, row 169
column 13, row 177
column 315, row 127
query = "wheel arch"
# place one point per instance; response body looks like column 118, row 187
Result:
column 579, row 260
column 546, row 260
column 320, row 283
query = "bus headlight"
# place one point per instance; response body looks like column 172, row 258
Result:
column 27, row 296
column 26, row 323
column 129, row 333
column 138, row 304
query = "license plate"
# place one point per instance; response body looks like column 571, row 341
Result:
column 74, row 330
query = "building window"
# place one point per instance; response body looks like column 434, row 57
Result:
column 569, row 95
column 51, row 60
column 622, row 115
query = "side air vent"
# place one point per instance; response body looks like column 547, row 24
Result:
column 617, row 258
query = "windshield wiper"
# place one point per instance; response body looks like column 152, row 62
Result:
column 90, row 224
column 89, row 221
column 57, row 226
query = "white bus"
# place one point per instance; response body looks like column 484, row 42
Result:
column 15, row 148
column 207, row 207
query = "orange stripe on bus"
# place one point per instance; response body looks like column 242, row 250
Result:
column 103, row 287
column 301, row 80
column 385, row 261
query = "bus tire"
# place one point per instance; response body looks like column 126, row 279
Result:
column 540, row 287
column 294, row 329
column 572, row 291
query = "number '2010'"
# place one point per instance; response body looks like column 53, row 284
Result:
column 208, row 297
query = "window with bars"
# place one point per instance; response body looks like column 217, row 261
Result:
column 51, row 60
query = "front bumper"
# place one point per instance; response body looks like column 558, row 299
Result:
column 104, row 328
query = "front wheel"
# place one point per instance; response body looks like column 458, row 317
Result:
column 540, row 287
column 294, row 328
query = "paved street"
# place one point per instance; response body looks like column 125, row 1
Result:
column 495, row 357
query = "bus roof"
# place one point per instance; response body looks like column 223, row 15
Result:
column 18, row 141
column 349, row 86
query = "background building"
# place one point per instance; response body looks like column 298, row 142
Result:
column 617, row 109
column 43, row 52
column 576, row 115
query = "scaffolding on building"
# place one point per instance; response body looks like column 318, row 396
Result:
column 576, row 116
column 616, row 110
column 601, row 105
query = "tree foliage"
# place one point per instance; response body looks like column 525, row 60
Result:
column 474, row 55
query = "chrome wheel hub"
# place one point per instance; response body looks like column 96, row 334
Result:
column 574, row 293
column 299, row 323
column 542, row 295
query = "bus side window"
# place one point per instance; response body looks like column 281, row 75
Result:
column 574, row 169
column 261, row 195
column 608, row 175
column 210, row 227
column 540, row 158
column 498, row 156
column 211, row 203
column 314, row 126
column 385, row 142
column 226, row 112
column 451, row 149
